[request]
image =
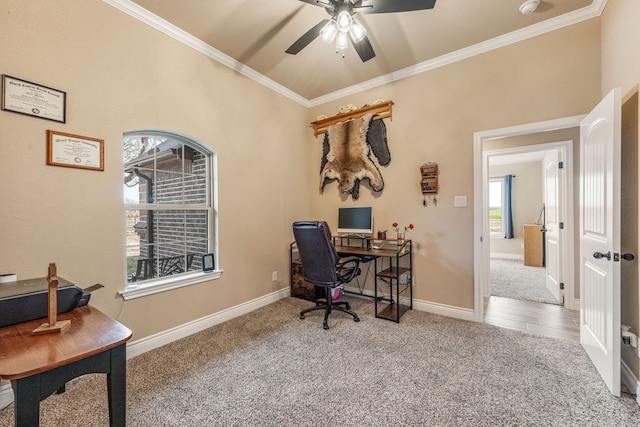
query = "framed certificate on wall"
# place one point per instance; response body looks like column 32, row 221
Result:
column 21, row 96
column 74, row 151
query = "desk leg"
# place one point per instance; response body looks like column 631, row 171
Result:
column 26, row 393
column 375, row 286
column 117, row 386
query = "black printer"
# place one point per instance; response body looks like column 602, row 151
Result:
column 25, row 300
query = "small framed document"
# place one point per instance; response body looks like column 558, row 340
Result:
column 207, row 262
column 21, row 96
column 74, row 151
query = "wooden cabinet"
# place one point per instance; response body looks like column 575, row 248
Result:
column 533, row 245
column 301, row 288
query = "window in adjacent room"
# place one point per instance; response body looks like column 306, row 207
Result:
column 496, row 196
column 169, row 209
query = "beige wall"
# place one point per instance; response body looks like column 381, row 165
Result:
column 620, row 41
column 121, row 75
column 434, row 118
column 621, row 68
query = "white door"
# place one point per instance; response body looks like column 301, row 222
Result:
column 599, row 233
column 553, row 217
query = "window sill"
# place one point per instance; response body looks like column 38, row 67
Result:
column 167, row 283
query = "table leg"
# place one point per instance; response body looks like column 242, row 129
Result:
column 117, row 386
column 26, row 393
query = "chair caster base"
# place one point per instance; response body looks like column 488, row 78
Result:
column 325, row 326
column 356, row 319
column 301, row 317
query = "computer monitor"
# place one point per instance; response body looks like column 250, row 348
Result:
column 358, row 221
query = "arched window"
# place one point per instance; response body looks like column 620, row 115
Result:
column 170, row 212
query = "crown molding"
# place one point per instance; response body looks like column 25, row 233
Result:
column 588, row 12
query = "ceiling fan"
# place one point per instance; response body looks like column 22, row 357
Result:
column 343, row 26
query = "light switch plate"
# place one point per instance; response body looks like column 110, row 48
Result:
column 460, row 201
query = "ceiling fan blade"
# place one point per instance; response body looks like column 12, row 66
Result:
column 364, row 49
column 390, row 6
column 315, row 3
column 306, row 38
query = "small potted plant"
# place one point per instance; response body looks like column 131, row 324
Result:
column 401, row 234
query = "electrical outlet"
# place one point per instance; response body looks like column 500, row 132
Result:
column 274, row 276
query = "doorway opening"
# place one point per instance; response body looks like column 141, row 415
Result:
column 532, row 148
column 529, row 202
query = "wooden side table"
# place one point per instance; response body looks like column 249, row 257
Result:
column 39, row 365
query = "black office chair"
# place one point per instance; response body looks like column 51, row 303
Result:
column 322, row 267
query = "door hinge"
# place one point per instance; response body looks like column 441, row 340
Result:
column 561, row 285
column 561, row 226
column 560, row 165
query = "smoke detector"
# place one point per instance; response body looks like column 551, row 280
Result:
column 529, row 6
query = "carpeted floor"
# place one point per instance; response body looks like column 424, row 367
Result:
column 510, row 278
column 269, row 368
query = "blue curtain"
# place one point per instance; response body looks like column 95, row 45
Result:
column 506, row 209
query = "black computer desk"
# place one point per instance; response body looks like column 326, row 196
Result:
column 391, row 274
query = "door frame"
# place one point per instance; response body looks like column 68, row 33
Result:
column 481, row 220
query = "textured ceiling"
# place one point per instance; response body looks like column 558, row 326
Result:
column 256, row 33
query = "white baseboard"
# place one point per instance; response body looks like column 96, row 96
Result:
column 507, row 256
column 445, row 310
column 152, row 342
column 429, row 307
column 629, row 380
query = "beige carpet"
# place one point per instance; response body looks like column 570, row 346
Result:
column 510, row 278
column 269, row 368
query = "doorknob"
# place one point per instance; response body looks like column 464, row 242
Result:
column 628, row 257
column 599, row 255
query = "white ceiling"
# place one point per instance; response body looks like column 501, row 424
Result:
column 251, row 36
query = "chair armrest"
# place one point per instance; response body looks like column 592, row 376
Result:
column 347, row 268
column 346, row 260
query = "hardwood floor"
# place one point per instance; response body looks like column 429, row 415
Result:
column 543, row 319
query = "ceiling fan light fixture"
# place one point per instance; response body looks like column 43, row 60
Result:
column 357, row 31
column 329, row 31
column 343, row 21
column 342, row 41
column 529, row 6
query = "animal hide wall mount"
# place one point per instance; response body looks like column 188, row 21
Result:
column 346, row 154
